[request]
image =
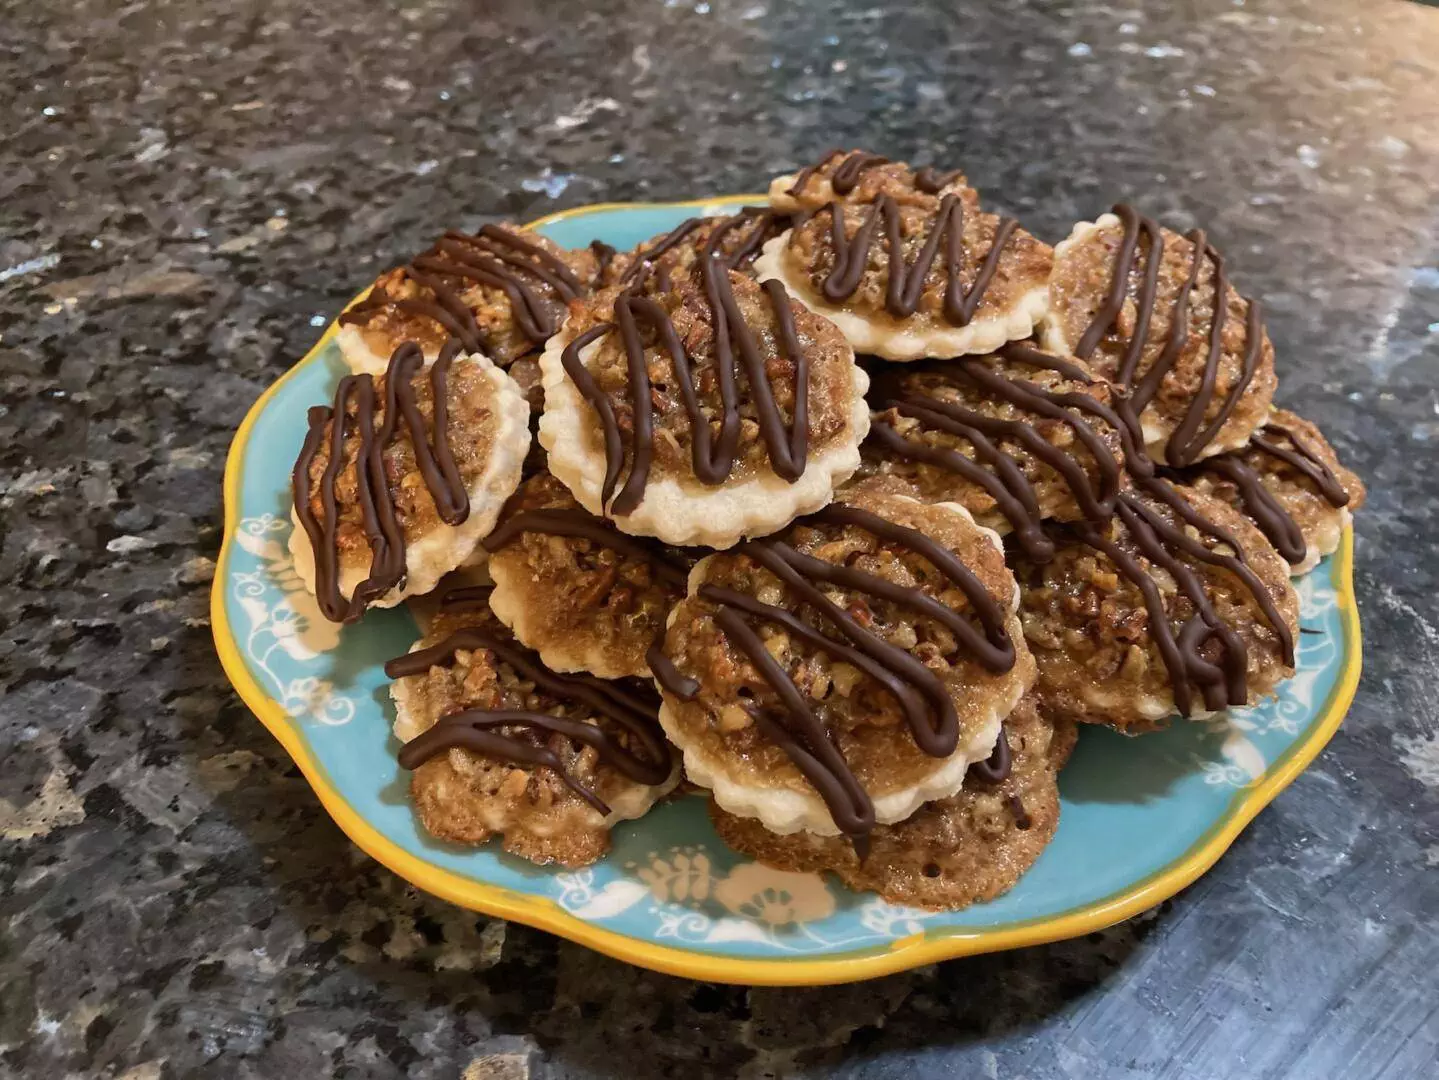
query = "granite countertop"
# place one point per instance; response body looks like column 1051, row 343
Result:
column 189, row 190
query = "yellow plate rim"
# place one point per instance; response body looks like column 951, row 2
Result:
column 899, row 955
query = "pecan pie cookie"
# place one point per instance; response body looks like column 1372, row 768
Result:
column 1015, row 438
column 914, row 273
column 951, row 853
column 1288, row 481
column 571, row 586
column 1155, row 314
column 859, row 176
column 502, row 290
column 400, row 478
column 847, row 671
column 717, row 410
column 1177, row 604
column 500, row 745
column 657, row 264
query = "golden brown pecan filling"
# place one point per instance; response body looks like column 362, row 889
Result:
column 1014, row 438
column 734, row 689
column 507, row 679
column 584, row 586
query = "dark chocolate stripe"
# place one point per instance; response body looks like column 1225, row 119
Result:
column 995, row 768
column 474, row 729
column 562, row 521
column 1168, row 547
column 598, row 399
column 922, row 696
column 466, row 598
column 993, row 467
column 1021, row 352
column 1191, row 436
column 1303, row 458
column 604, row 255
column 905, row 282
column 846, row 175
column 932, row 182
column 669, row 676
column 803, row 176
column 1259, row 504
column 493, row 257
column 383, row 532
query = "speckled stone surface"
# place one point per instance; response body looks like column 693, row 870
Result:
column 187, row 191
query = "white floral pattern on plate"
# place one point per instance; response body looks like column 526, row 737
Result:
column 1134, row 809
column 682, row 892
column 1244, row 763
column 283, row 616
column 692, row 900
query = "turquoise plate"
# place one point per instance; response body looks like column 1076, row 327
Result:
column 1141, row 818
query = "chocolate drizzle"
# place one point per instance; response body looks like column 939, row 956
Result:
column 1302, row 457
column 1191, row 436
column 846, row 175
column 995, row 469
column 931, row 182
column 563, row 521
column 353, row 412
column 713, row 459
column 537, row 284
column 905, row 283
column 995, row 768
column 668, row 675
column 760, row 221
column 1168, row 547
column 1166, row 544
column 923, row 697
column 1259, row 503
column 604, row 256
column 501, row 733
column 465, row 598
column 642, row 266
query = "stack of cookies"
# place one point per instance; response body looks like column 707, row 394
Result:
column 847, row 510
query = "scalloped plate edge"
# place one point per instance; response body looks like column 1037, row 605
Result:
column 899, row 955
